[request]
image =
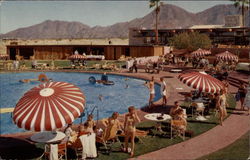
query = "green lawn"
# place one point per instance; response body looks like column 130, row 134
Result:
column 67, row 63
column 239, row 150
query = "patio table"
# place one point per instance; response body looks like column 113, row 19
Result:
column 48, row 137
column 158, row 117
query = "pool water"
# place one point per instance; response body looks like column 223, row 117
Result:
column 116, row 98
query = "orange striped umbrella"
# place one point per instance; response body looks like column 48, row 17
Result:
column 49, row 106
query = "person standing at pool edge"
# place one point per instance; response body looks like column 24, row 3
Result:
column 163, row 91
column 151, row 87
column 129, row 127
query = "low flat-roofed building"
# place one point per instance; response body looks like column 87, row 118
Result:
column 218, row 35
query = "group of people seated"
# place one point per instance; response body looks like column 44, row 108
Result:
column 200, row 62
column 110, row 127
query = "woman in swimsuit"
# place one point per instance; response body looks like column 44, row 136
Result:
column 164, row 91
column 130, row 120
column 222, row 106
column 114, row 122
column 242, row 90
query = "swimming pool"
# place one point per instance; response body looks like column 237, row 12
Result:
column 116, row 98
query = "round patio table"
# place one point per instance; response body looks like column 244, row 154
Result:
column 48, row 137
column 158, row 117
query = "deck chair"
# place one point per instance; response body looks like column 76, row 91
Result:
column 61, row 151
column 77, row 147
column 108, row 138
column 177, row 126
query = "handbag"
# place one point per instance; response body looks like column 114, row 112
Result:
column 237, row 96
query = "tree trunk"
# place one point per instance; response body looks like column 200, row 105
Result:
column 243, row 14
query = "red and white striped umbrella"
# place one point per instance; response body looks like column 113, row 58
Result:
column 227, row 56
column 49, row 106
column 202, row 82
column 76, row 56
column 200, row 52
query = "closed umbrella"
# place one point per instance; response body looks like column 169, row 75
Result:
column 202, row 82
column 49, row 106
column 200, row 52
column 227, row 56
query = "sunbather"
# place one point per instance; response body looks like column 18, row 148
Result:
column 130, row 120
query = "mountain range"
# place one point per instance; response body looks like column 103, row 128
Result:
column 170, row 17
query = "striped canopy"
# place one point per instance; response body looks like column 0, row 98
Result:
column 202, row 82
column 4, row 56
column 227, row 56
column 76, row 56
column 49, row 106
column 200, row 52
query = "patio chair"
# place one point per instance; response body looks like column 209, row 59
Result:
column 108, row 138
column 197, row 108
column 77, row 147
column 177, row 126
column 61, row 151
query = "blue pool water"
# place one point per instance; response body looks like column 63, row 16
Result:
column 117, row 97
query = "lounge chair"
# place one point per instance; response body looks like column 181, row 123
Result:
column 177, row 126
column 108, row 138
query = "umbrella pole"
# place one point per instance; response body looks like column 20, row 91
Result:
column 97, row 115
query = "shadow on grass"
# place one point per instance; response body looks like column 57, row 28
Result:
column 156, row 108
column 14, row 148
column 201, row 122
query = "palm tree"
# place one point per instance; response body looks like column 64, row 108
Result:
column 244, row 6
column 155, row 3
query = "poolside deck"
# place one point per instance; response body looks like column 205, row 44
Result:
column 237, row 124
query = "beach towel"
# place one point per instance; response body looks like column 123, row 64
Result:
column 53, row 155
column 89, row 146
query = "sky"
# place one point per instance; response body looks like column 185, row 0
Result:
column 18, row 14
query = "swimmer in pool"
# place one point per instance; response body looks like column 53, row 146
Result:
column 100, row 97
column 42, row 78
column 127, row 86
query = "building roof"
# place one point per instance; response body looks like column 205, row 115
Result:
column 206, row 26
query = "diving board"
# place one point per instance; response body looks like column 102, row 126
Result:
column 6, row 110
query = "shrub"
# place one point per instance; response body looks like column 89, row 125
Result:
column 190, row 41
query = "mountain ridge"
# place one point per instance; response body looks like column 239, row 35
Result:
column 170, row 17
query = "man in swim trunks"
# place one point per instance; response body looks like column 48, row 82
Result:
column 151, row 87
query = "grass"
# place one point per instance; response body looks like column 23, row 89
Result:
column 238, row 150
column 67, row 63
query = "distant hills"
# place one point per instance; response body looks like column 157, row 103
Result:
column 170, row 17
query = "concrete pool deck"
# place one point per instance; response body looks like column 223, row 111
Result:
column 236, row 125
